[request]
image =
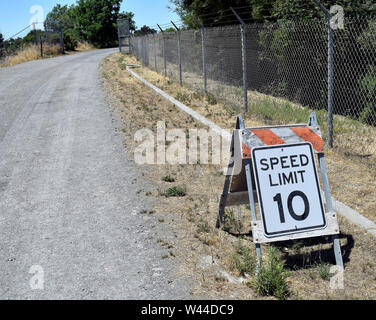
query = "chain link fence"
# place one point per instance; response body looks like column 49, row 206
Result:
column 287, row 73
column 47, row 36
column 53, row 34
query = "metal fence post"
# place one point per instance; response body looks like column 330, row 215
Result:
column 164, row 51
column 244, row 60
column 179, row 54
column 35, row 34
column 330, row 83
column 41, row 46
column 155, row 52
column 61, row 38
column 46, row 32
column 203, row 53
column 144, row 50
column 119, row 39
column 330, row 72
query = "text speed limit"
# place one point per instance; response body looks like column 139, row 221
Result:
column 288, row 189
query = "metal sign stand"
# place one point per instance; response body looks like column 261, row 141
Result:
column 234, row 195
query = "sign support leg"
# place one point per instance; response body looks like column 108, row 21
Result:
column 223, row 200
column 247, row 164
column 329, row 206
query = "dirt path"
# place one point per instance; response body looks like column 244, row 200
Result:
column 70, row 198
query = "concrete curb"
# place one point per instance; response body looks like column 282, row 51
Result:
column 342, row 209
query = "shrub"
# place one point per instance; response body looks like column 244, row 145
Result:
column 243, row 260
column 70, row 42
column 175, row 192
column 211, row 99
column 368, row 87
column 230, row 223
column 168, row 179
column 203, row 227
column 324, row 270
column 271, row 278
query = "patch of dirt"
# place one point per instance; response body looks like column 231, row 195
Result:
column 192, row 217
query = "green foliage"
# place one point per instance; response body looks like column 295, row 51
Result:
column 303, row 9
column 96, row 21
column 60, row 15
column 204, row 9
column 168, row 179
column 324, row 270
column 244, row 260
column 175, row 192
column 70, row 42
column 145, row 30
column 271, row 277
column 170, row 29
column 183, row 97
column 203, row 227
column 368, row 89
column 211, row 99
column 29, row 38
column 263, row 10
column 130, row 17
column 230, row 223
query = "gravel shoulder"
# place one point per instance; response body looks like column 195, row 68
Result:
column 70, row 198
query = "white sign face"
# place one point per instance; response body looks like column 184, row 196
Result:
column 288, row 189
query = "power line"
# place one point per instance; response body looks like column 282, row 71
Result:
column 18, row 33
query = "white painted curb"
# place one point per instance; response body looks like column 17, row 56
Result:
column 345, row 211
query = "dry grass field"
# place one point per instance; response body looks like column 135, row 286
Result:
column 222, row 261
column 32, row 52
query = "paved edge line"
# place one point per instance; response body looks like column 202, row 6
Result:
column 345, row 211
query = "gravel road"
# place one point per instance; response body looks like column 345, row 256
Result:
column 70, row 222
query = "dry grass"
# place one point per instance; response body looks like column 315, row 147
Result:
column 84, row 46
column 192, row 217
column 32, row 52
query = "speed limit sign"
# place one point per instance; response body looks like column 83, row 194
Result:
column 288, row 189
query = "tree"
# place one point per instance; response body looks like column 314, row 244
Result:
column 96, row 21
column 210, row 12
column 60, row 15
column 145, row 30
column 215, row 12
column 130, row 17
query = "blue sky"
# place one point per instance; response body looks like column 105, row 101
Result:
column 15, row 14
